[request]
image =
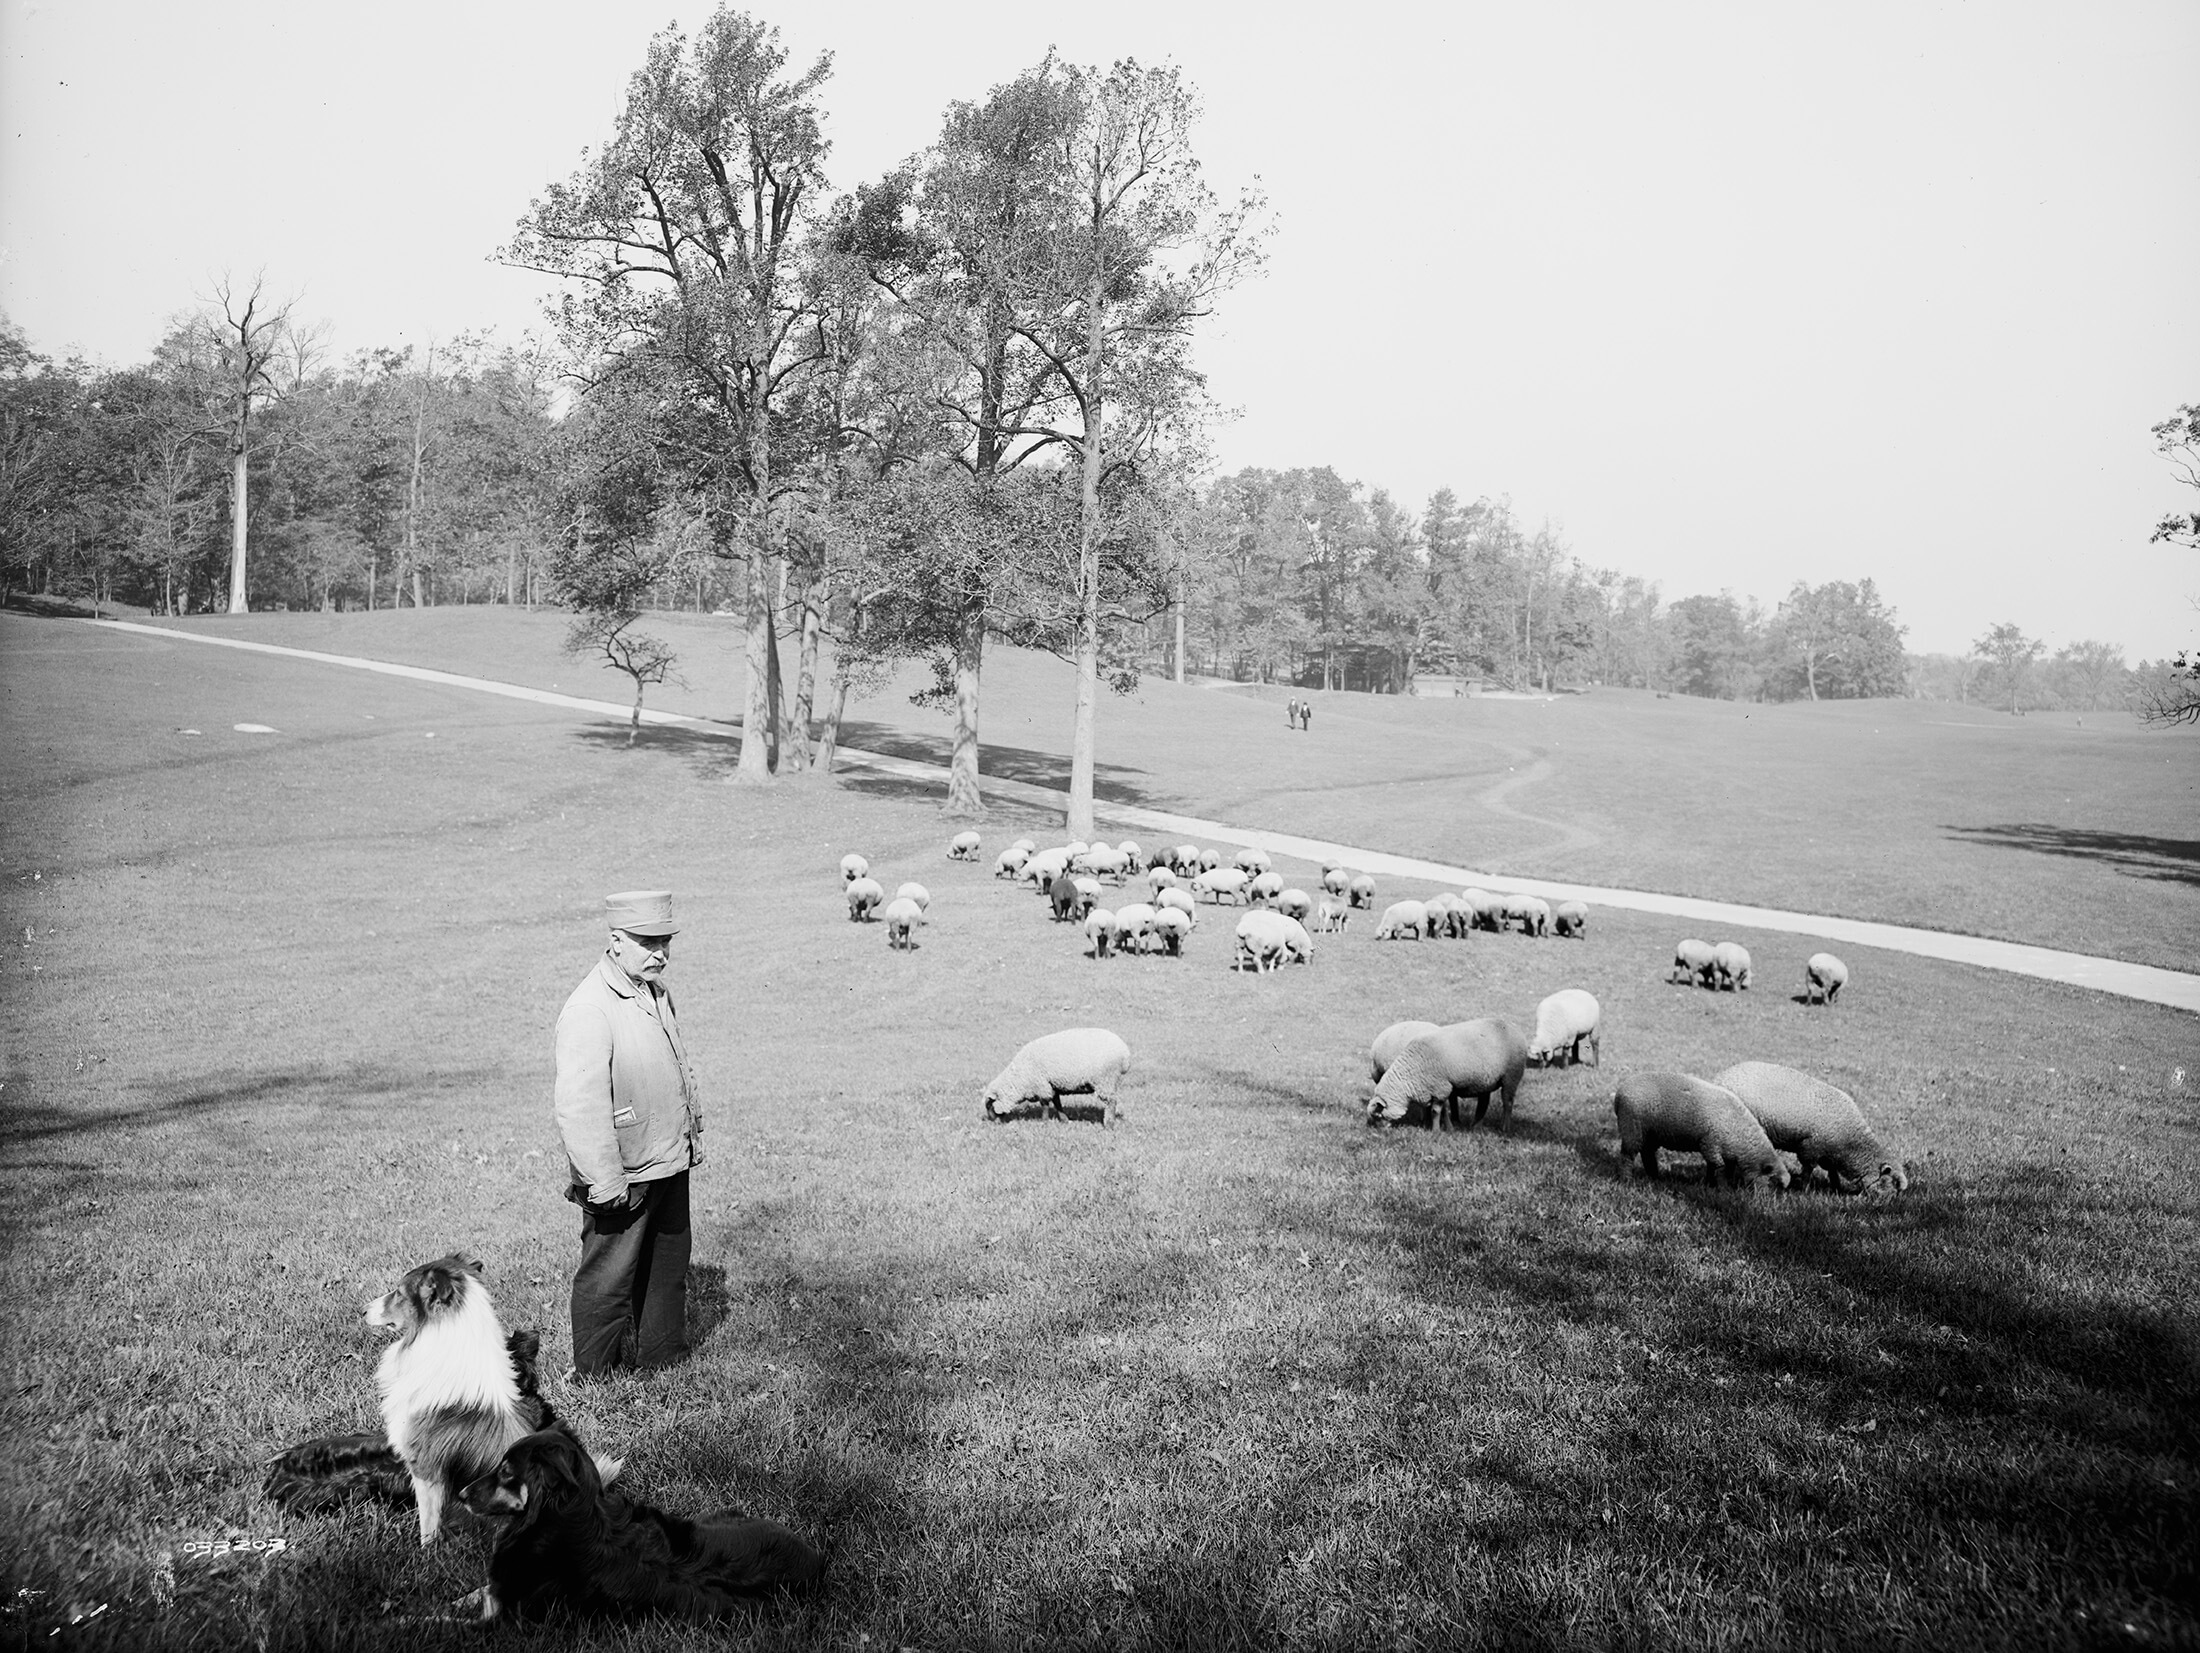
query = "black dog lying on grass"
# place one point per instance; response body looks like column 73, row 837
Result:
column 569, row 1542
column 331, row 1471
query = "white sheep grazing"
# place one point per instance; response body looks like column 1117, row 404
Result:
column 902, row 917
column 853, row 867
column 1361, row 891
column 1484, row 912
column 1481, row 1059
column 1389, row 1043
column 1692, row 963
column 1209, row 859
column 1447, row 914
column 916, row 892
column 1336, row 880
column 1185, row 859
column 1170, row 926
column 1011, row 862
column 1297, row 944
column 1402, row 917
column 963, row 847
column 1253, row 861
column 1334, row 914
column 1161, row 878
column 1823, row 977
column 1174, row 899
column 1264, row 940
column 1730, row 963
column 1565, row 1022
column 1027, row 845
column 1264, row 888
column 1571, row 919
column 1128, row 849
column 1079, row 1061
column 864, row 894
column 1819, row 1124
column 1293, row 903
column 1535, row 916
column 1042, row 867
column 1100, row 931
column 1218, row 882
column 1133, row 924
column 1683, row 1114
column 1103, row 862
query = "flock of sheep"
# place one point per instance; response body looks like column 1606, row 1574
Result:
column 1755, row 1123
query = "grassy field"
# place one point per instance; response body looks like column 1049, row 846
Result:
column 1237, row 1373
column 2047, row 829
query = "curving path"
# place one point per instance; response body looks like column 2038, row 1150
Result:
column 2147, row 982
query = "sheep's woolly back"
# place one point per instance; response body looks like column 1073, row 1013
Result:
column 1390, row 1042
column 1684, row 1114
column 1474, row 1058
column 1401, row 916
column 1818, row 1123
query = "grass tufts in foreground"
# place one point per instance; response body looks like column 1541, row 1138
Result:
column 1238, row 1373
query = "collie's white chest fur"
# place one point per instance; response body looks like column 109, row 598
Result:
column 455, row 1360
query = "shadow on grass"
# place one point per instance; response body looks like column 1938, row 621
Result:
column 2176, row 860
column 714, row 756
column 356, row 1083
column 1112, row 783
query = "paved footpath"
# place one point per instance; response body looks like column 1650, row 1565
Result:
column 2177, row 988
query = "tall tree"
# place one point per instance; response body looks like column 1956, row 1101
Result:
column 684, row 234
column 2010, row 653
column 1836, row 640
column 257, row 356
column 2172, row 694
column 1710, row 645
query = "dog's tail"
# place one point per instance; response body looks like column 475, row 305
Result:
column 331, row 1471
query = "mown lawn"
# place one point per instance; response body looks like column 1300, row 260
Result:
column 1237, row 1373
column 2065, row 832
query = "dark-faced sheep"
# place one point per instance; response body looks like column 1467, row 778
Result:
column 1692, row 963
column 1823, row 977
column 1571, row 919
column 1481, row 1059
column 1080, row 1061
column 1820, row 1125
column 853, row 867
column 1679, row 1113
column 963, row 847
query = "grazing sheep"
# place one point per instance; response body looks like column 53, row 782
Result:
column 1361, row 891
column 1298, row 946
column 1400, row 917
column 963, row 847
column 1133, row 924
column 1389, row 1042
column 1130, row 852
column 1100, row 930
column 1027, row 845
column 1535, row 916
column 1293, row 903
column 1683, row 1114
column 1107, row 863
column 1178, row 900
column 1823, row 977
column 1692, row 963
column 1011, row 862
column 1572, row 919
column 1076, row 1062
column 1041, row 867
column 916, row 892
column 1264, row 888
column 1565, row 1022
column 853, row 867
column 1336, row 880
column 864, row 895
column 1161, row 878
column 1217, row 882
column 1252, row 861
column 1820, row 1125
column 1209, row 860
column 1265, row 939
column 1171, row 925
column 1730, row 965
column 1184, row 859
column 1484, row 911
column 1512, row 908
column 1073, row 897
column 1447, row 914
column 902, row 917
column 1481, row 1059
column 1334, row 914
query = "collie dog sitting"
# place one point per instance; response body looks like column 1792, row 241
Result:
column 451, row 1396
column 569, row 1542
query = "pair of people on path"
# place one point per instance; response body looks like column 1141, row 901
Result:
column 1299, row 713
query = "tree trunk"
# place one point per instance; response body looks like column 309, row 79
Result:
column 775, row 698
column 963, row 797
column 238, row 506
column 634, row 723
column 757, row 704
column 1088, row 579
column 805, row 676
column 829, row 740
column 1179, row 607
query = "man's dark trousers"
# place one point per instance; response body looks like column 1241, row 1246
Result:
column 630, row 1291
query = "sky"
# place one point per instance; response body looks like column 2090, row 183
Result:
column 1730, row 295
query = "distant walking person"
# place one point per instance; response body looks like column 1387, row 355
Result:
column 632, row 1128
column 1291, row 711
column 1306, row 714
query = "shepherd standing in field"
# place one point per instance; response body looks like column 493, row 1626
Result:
column 632, row 1128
